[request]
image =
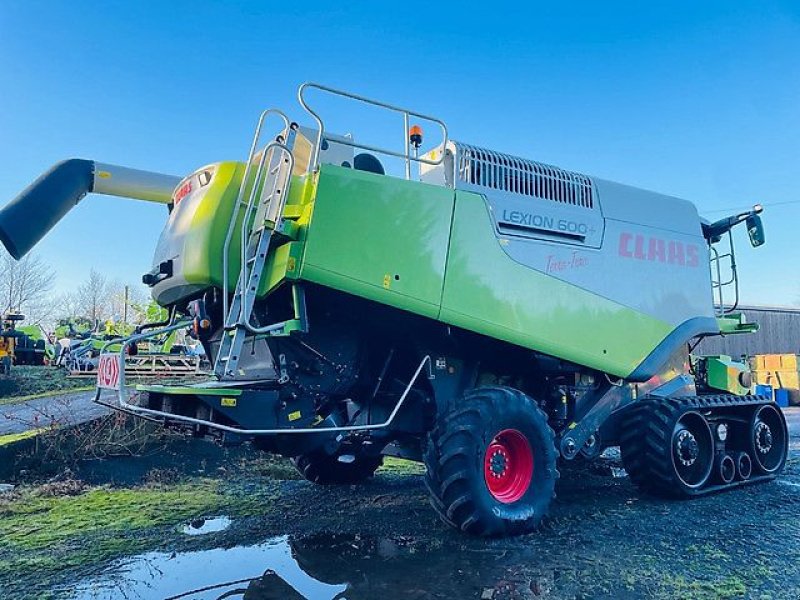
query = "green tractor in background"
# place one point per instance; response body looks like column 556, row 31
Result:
column 492, row 317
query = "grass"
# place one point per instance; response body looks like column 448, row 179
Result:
column 54, row 528
column 401, row 466
column 17, row 437
column 28, row 383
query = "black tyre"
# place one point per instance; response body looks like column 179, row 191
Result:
column 491, row 463
column 326, row 469
column 667, row 448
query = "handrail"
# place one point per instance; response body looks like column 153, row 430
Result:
column 125, row 405
column 406, row 155
column 244, row 316
column 717, row 284
column 240, row 198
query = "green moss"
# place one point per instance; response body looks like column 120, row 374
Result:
column 45, row 535
column 401, row 466
column 731, row 586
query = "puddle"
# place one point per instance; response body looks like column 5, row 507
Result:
column 206, row 526
column 618, row 472
column 316, row 568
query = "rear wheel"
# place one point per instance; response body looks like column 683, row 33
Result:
column 326, row 469
column 491, row 463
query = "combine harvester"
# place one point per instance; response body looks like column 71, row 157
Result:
column 492, row 318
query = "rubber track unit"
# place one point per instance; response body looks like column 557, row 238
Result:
column 453, row 456
column 646, row 441
column 328, row 470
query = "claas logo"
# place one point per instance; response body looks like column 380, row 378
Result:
column 656, row 249
column 184, row 190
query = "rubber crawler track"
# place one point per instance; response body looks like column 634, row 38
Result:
column 646, row 441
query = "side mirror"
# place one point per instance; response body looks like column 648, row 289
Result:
column 755, row 229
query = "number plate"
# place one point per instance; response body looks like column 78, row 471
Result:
column 108, row 372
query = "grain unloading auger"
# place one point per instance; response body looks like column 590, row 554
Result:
column 490, row 319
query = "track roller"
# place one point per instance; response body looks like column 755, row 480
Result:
column 726, row 468
column 744, row 466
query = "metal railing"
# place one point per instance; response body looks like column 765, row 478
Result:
column 718, row 285
column 406, row 155
column 279, row 191
column 240, row 198
column 126, row 406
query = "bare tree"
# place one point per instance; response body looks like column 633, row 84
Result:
column 94, row 296
column 69, row 306
column 25, row 286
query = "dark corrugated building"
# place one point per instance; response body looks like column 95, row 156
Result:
column 779, row 333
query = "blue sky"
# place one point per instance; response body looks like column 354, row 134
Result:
column 698, row 99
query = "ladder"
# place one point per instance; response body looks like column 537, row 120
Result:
column 270, row 188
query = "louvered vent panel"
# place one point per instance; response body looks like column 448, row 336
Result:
column 494, row 170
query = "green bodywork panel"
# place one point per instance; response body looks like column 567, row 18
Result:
column 380, row 238
column 208, row 225
column 722, row 373
column 428, row 250
column 488, row 292
column 32, row 331
column 432, row 251
column 734, row 323
column 189, row 390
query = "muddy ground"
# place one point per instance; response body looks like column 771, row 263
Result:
column 382, row 540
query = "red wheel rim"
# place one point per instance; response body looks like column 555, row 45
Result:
column 508, row 466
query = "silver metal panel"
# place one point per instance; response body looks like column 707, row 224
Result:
column 641, row 249
column 171, row 241
column 133, row 183
column 664, row 275
column 634, row 205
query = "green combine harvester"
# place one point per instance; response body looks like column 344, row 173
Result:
column 491, row 317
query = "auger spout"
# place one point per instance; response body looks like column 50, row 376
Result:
column 35, row 211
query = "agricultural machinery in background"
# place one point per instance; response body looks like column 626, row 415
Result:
column 81, row 343
column 19, row 345
column 492, row 317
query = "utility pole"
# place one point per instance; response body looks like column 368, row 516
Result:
column 125, row 307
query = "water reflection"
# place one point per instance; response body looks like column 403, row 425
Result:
column 315, row 568
column 206, row 526
column 210, row 574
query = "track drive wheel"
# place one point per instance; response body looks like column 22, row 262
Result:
column 769, row 439
column 491, row 463
column 326, row 469
column 667, row 448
